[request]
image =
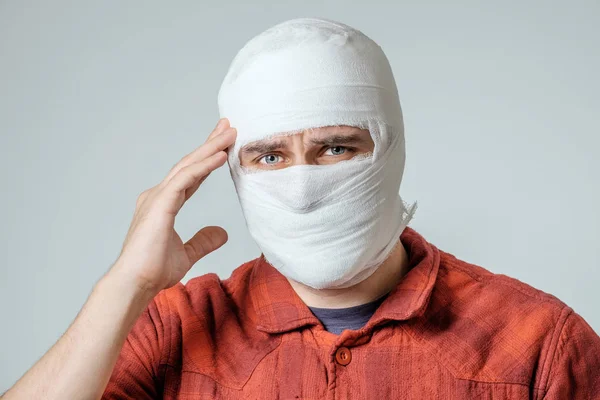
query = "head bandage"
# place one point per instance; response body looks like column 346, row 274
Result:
column 327, row 226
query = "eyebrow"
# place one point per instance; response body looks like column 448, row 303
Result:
column 263, row 147
column 270, row 146
column 338, row 139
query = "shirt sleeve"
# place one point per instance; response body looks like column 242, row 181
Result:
column 136, row 372
column 575, row 369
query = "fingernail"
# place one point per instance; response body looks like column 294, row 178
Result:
column 220, row 123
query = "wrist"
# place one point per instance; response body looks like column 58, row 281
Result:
column 117, row 279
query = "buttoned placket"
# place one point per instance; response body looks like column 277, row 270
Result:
column 340, row 351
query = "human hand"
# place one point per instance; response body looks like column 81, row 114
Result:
column 153, row 256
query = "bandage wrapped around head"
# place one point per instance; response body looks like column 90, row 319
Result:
column 326, row 226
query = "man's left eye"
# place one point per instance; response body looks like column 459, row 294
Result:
column 335, row 151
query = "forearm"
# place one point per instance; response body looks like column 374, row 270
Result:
column 79, row 365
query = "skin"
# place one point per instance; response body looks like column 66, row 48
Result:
column 317, row 146
column 154, row 257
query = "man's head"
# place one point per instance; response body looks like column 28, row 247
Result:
column 319, row 155
column 308, row 73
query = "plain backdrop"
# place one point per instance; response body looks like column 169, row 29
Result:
column 99, row 99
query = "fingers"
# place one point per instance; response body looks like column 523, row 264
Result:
column 222, row 125
column 189, row 192
column 190, row 175
column 220, row 139
column 205, row 241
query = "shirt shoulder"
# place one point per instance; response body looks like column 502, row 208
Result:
column 208, row 323
column 206, row 295
column 461, row 275
column 490, row 327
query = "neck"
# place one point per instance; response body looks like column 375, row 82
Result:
column 382, row 281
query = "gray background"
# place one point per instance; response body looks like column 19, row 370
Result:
column 99, row 99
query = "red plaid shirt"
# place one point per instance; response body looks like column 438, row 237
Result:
column 449, row 330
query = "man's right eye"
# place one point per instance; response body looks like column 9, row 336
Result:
column 269, row 159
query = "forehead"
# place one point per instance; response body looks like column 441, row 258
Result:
column 317, row 133
column 333, row 130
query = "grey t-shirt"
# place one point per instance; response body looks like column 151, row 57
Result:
column 335, row 320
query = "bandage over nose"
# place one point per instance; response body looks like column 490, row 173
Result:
column 327, row 226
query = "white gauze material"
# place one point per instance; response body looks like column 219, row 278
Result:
column 326, row 226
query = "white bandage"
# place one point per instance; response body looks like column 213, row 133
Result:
column 327, row 226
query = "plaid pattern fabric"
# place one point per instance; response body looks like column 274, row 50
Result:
column 449, row 330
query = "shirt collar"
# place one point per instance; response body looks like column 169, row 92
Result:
column 279, row 309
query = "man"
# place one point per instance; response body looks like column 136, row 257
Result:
column 345, row 301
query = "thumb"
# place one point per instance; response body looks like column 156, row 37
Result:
column 205, row 241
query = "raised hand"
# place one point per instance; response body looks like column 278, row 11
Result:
column 153, row 254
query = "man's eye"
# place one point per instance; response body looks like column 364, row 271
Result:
column 269, row 159
column 335, row 151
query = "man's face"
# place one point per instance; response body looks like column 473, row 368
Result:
column 317, row 146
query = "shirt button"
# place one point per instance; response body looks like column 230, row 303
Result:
column 343, row 356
